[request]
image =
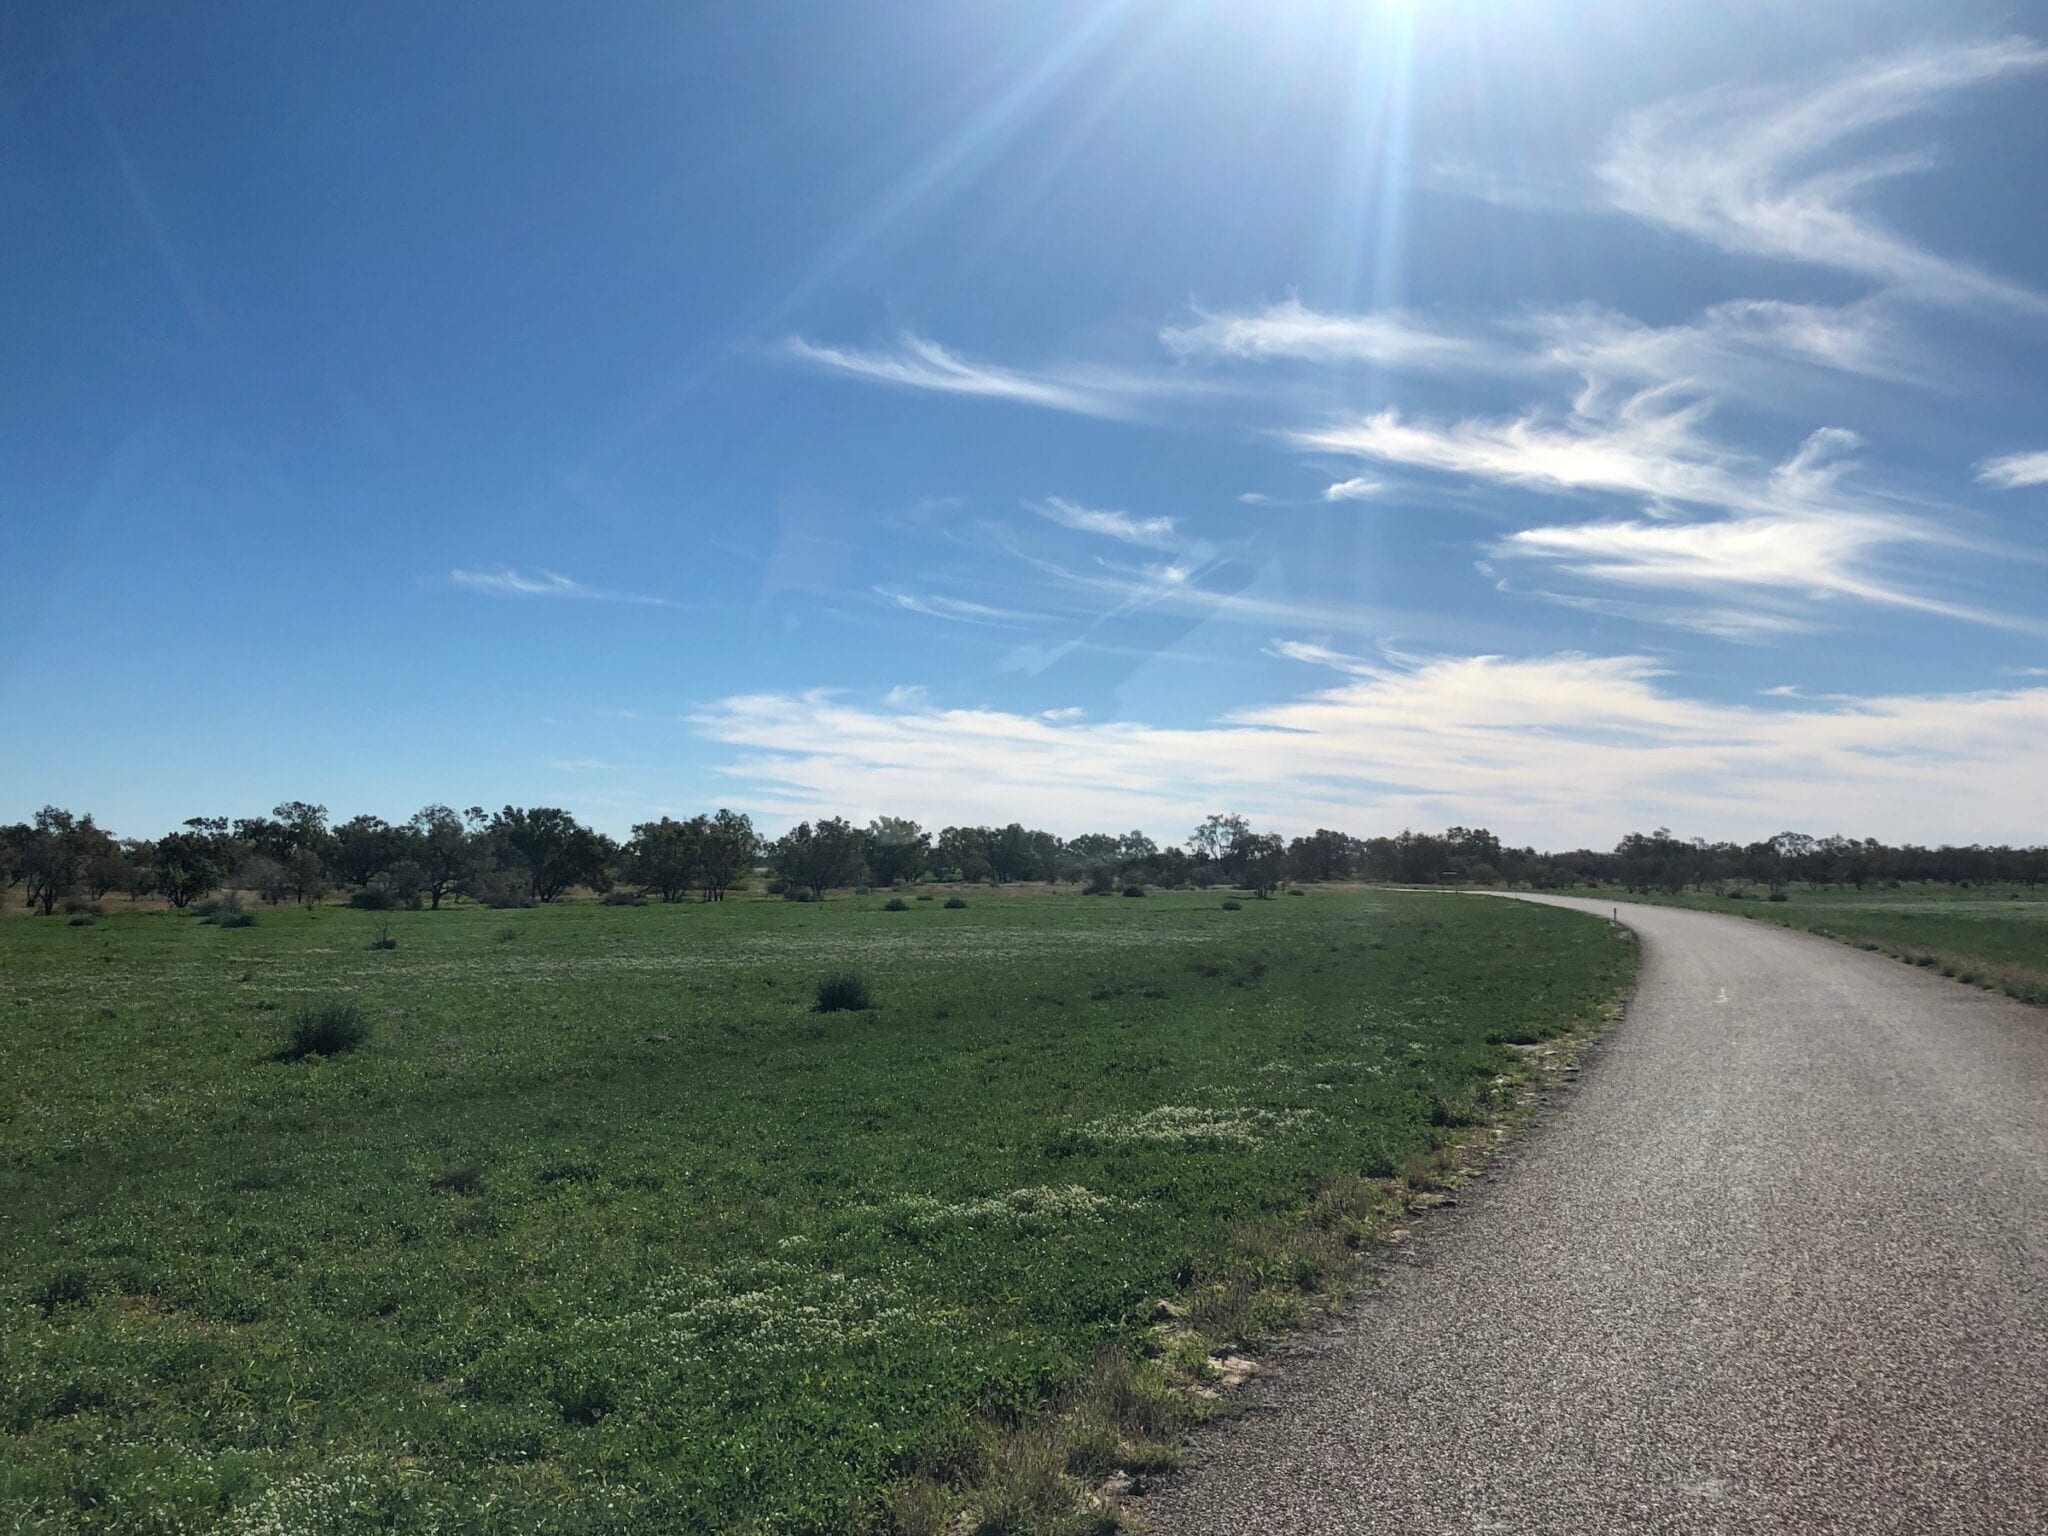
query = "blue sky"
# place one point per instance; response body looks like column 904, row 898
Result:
column 1570, row 417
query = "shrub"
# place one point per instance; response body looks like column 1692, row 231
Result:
column 220, row 906
column 624, row 898
column 67, row 1287
column 1134, row 890
column 73, row 907
column 955, row 903
column 926, row 896
column 507, row 934
column 461, row 1181
column 325, row 1029
column 895, row 904
column 501, row 889
column 1233, row 905
column 799, row 893
column 844, row 992
column 372, row 898
column 235, row 919
column 1297, row 891
column 383, row 939
column 863, row 890
column 1779, row 896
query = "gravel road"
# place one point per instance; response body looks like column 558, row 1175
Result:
column 1777, row 1262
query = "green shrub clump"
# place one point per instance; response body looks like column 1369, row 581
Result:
column 325, row 1029
column 844, row 992
column 895, row 904
column 1233, row 905
column 1134, row 890
column 955, row 903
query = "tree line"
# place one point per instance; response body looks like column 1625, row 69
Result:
column 518, row 856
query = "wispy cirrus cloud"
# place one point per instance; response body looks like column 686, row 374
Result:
column 959, row 610
column 1800, row 557
column 1776, row 539
column 509, row 581
column 1747, row 170
column 1748, row 346
column 2012, row 471
column 1558, row 750
column 1291, row 330
column 920, row 364
column 1748, row 343
column 1154, row 532
column 1649, row 446
column 1356, row 488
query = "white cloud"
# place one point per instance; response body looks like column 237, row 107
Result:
column 1555, row 750
column 1814, row 556
column 1744, row 345
column 1292, row 331
column 1154, row 532
column 959, row 609
column 2015, row 470
column 1792, row 534
column 1357, row 488
column 1737, row 169
column 1319, row 654
column 1749, row 343
column 920, row 364
column 1650, row 446
column 507, row 581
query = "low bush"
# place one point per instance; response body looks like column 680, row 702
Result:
column 372, row 898
column 799, row 893
column 225, row 912
column 79, row 920
column 624, row 898
column 863, row 890
column 73, row 907
column 507, row 934
column 1779, row 896
column 383, row 939
column 500, row 889
column 895, row 904
column 926, row 896
column 1134, row 890
column 955, row 903
column 1233, row 905
column 844, row 992
column 325, row 1029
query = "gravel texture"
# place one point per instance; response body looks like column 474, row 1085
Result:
column 1778, row 1261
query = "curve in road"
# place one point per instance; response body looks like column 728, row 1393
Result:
column 1779, row 1263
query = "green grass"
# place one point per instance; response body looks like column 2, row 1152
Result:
column 604, row 1228
column 1993, row 936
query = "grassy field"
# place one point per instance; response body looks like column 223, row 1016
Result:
column 1993, row 936
column 605, row 1229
